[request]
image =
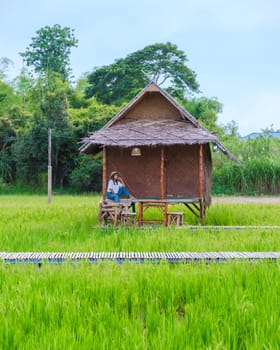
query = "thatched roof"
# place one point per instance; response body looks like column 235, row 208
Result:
column 126, row 132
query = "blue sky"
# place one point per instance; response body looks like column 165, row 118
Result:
column 233, row 46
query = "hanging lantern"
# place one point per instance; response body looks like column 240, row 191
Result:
column 136, row 151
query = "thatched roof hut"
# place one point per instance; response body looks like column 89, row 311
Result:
column 175, row 160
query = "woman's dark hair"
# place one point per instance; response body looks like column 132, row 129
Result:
column 113, row 174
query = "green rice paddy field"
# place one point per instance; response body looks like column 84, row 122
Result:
column 233, row 305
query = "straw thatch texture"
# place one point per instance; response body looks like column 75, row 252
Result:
column 145, row 132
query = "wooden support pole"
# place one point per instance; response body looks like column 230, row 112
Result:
column 201, row 172
column 165, row 214
column 162, row 174
column 104, row 173
column 140, row 217
column 49, row 166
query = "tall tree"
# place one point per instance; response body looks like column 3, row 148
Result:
column 49, row 51
column 163, row 63
column 50, row 111
column 48, row 55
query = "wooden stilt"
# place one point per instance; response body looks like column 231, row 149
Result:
column 162, row 174
column 165, row 214
column 200, row 172
column 104, row 173
column 140, row 217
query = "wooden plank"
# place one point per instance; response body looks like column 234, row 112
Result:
column 104, row 173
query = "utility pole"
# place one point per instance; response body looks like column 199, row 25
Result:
column 49, row 166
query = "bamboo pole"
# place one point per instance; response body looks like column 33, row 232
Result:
column 162, row 174
column 104, row 173
column 49, row 166
column 201, row 172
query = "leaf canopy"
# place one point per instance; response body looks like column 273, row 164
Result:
column 50, row 49
column 163, row 63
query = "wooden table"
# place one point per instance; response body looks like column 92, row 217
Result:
column 144, row 204
column 162, row 204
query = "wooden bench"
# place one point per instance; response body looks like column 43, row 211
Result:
column 109, row 211
column 175, row 218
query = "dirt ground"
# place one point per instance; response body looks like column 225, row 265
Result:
column 266, row 200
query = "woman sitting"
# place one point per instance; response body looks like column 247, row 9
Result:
column 116, row 188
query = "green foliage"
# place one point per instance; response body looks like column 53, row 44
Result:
column 49, row 51
column 259, row 169
column 31, row 148
column 254, row 177
column 24, row 84
column 7, row 137
column 205, row 110
column 5, row 64
column 8, row 99
column 120, row 81
column 77, row 98
column 33, row 103
column 91, row 118
column 87, row 175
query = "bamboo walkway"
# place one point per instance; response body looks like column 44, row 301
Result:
column 217, row 227
column 133, row 257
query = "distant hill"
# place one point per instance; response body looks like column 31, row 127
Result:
column 253, row 135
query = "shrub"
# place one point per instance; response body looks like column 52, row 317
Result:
column 254, row 177
column 87, row 175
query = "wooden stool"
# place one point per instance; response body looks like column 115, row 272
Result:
column 128, row 218
column 175, row 218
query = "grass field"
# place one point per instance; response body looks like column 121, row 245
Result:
column 28, row 223
column 109, row 306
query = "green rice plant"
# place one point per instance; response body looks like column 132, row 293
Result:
column 28, row 223
column 109, row 306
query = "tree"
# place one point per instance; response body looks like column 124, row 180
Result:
column 205, row 110
column 91, row 118
column 8, row 98
column 23, row 86
column 5, row 64
column 50, row 111
column 120, row 81
column 7, row 137
column 49, row 51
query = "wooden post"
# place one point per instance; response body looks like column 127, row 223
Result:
column 104, row 173
column 165, row 214
column 140, row 215
column 201, row 172
column 162, row 174
column 49, row 166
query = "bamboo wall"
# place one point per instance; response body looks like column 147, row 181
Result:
column 143, row 173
